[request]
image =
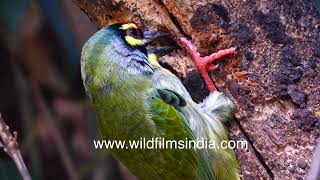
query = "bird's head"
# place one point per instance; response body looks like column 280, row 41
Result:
column 123, row 45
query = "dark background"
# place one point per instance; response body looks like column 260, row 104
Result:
column 42, row 96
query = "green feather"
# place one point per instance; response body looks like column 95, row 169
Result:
column 134, row 101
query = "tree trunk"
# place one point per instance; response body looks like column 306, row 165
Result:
column 273, row 80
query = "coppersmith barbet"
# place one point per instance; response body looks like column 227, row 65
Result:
column 135, row 97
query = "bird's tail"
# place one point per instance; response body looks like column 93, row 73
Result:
column 218, row 106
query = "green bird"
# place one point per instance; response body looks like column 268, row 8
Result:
column 134, row 97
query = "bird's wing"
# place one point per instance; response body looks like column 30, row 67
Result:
column 205, row 121
column 172, row 125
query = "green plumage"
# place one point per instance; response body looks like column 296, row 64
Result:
column 135, row 99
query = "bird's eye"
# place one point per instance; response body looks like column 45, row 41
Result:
column 135, row 33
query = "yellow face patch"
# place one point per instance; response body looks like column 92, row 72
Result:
column 128, row 26
column 133, row 41
column 153, row 59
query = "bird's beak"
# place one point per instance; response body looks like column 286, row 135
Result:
column 150, row 36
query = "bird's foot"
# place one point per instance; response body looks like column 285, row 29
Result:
column 204, row 64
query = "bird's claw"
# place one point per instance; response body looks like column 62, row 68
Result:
column 213, row 67
column 204, row 64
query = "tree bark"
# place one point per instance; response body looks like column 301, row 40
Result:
column 273, row 79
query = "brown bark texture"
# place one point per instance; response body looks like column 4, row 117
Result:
column 273, row 79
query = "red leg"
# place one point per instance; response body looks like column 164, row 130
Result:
column 203, row 64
